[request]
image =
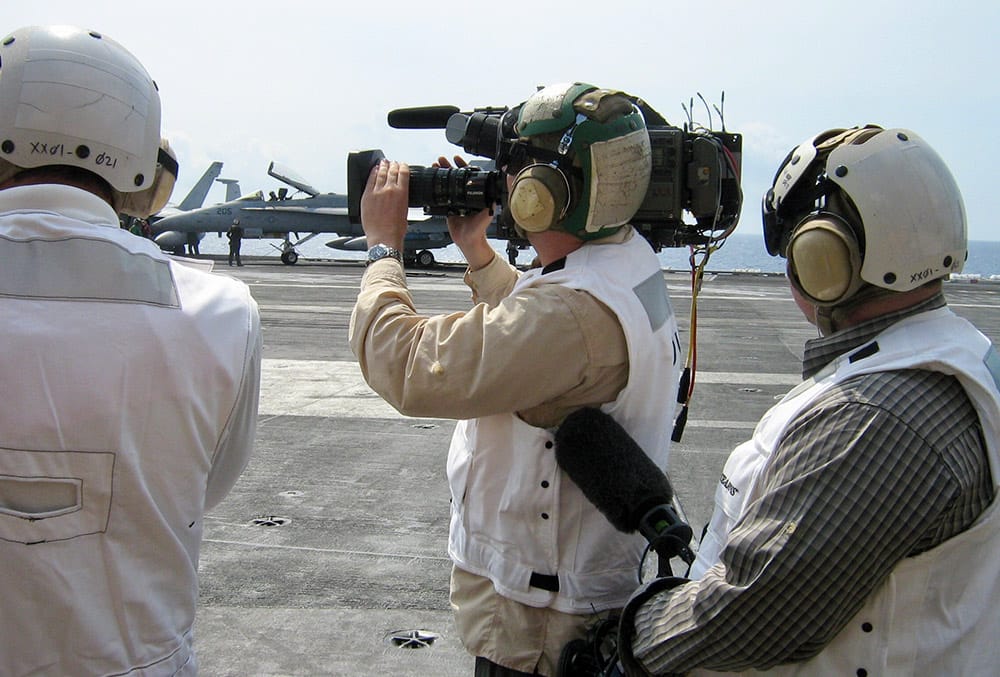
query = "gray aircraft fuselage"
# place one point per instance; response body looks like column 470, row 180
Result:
column 308, row 216
column 324, row 213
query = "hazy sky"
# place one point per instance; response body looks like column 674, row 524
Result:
column 304, row 83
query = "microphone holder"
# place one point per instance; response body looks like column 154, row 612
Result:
column 668, row 537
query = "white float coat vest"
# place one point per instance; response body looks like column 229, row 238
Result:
column 936, row 614
column 126, row 378
column 514, row 512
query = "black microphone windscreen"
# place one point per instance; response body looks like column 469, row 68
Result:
column 426, row 117
column 610, row 468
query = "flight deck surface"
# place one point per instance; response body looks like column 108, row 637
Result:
column 329, row 557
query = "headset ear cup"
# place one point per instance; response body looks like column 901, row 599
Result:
column 539, row 197
column 152, row 199
column 825, row 260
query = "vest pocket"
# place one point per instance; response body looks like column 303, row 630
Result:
column 54, row 495
column 34, row 498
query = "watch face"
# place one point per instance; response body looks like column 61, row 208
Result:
column 381, row 251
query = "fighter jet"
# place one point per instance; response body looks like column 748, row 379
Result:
column 174, row 241
column 281, row 215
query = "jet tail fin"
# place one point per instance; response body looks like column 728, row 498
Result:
column 232, row 189
column 196, row 198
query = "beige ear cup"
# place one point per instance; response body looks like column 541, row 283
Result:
column 149, row 201
column 825, row 260
column 539, row 197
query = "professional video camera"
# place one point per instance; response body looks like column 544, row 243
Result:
column 695, row 170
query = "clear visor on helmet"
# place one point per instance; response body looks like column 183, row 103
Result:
column 795, row 166
column 166, row 177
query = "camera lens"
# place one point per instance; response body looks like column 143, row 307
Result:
column 477, row 133
column 459, row 190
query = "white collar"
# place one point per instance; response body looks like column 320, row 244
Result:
column 72, row 202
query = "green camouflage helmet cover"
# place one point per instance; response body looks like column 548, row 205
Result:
column 603, row 136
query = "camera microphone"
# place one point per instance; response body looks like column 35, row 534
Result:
column 425, row 117
column 622, row 482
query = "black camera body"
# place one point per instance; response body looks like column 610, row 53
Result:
column 443, row 191
column 440, row 191
column 695, row 171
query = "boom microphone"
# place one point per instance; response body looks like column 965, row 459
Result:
column 425, row 117
column 622, row 482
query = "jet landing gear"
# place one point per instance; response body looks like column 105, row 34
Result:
column 425, row 259
column 513, row 247
column 288, row 254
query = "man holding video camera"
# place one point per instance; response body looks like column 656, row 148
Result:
column 858, row 531
column 592, row 326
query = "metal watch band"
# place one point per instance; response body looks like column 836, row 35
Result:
column 382, row 251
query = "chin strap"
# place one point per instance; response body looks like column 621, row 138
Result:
column 823, row 319
column 830, row 319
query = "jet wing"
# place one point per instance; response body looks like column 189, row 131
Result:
column 413, row 215
column 331, row 211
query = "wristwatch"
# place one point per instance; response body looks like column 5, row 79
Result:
column 381, row 251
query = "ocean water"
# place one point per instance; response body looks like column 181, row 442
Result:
column 745, row 252
column 741, row 252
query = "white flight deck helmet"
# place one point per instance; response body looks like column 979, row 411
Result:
column 74, row 97
column 864, row 205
